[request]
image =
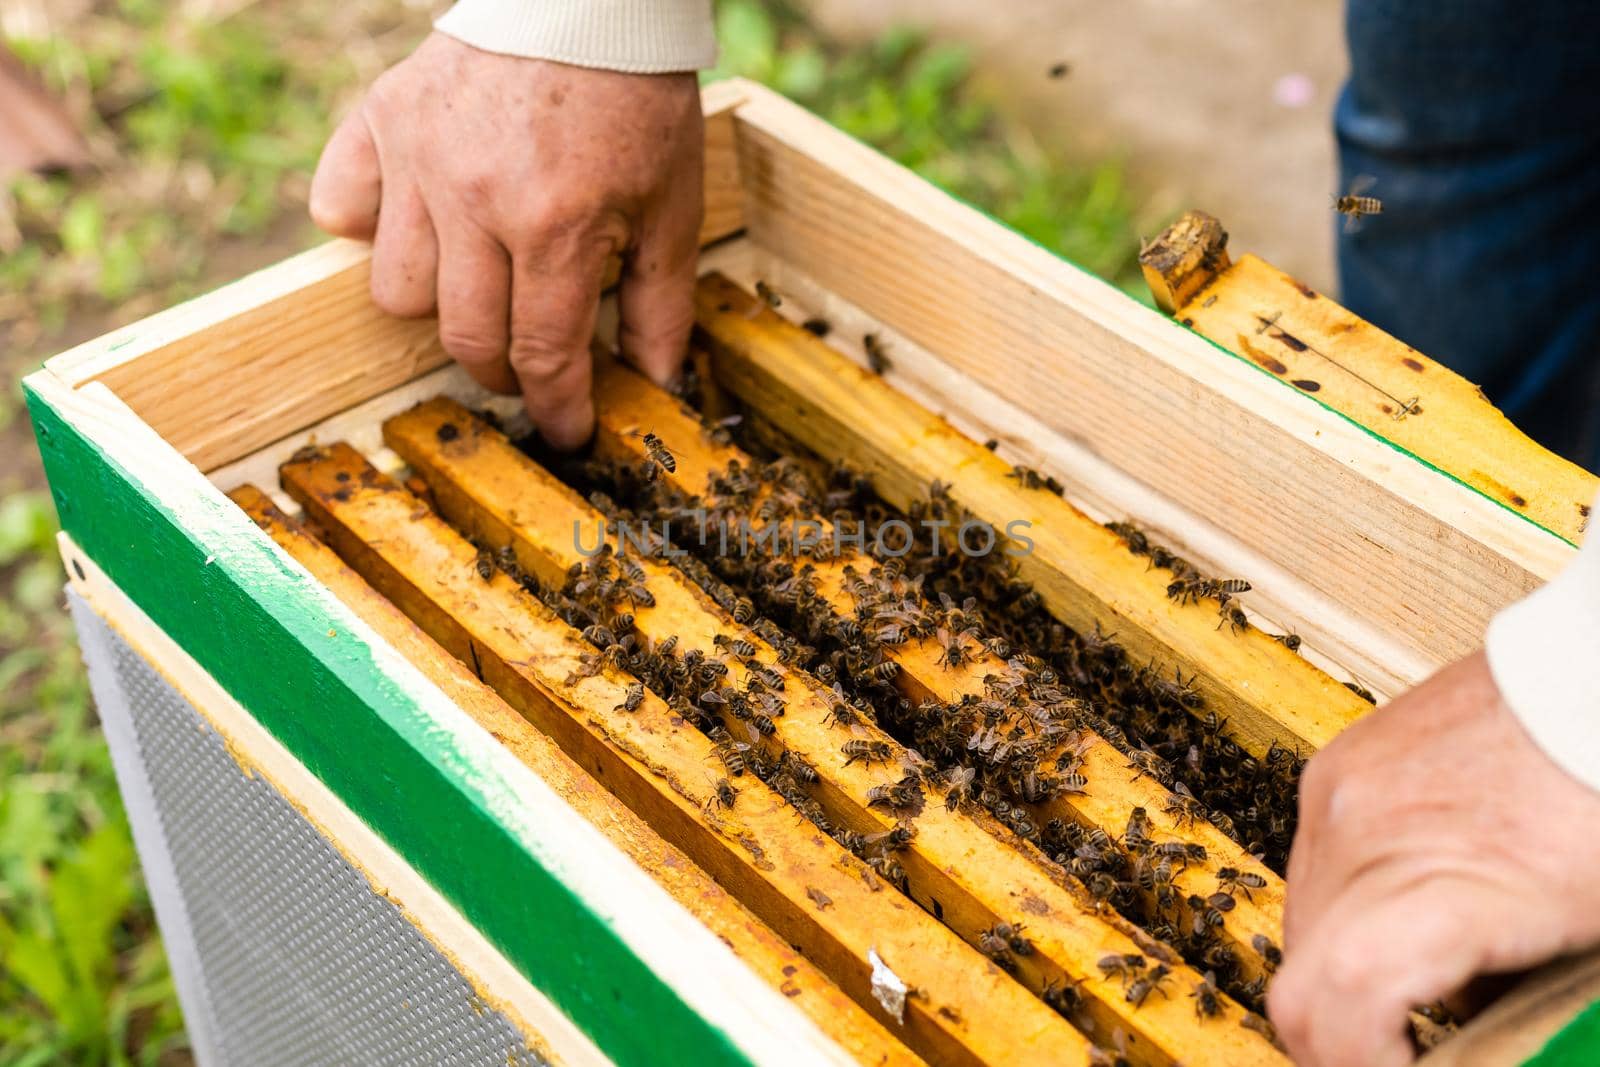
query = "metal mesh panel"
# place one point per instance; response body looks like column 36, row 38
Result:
column 296, row 960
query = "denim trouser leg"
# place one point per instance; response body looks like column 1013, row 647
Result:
column 1480, row 121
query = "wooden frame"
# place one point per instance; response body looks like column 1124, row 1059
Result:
column 1385, row 565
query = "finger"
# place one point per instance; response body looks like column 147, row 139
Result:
column 554, row 300
column 405, row 256
column 1342, row 997
column 475, row 305
column 346, row 188
column 656, row 301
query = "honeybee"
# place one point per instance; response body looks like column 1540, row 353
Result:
column 723, row 795
column 1125, row 966
column 877, row 359
column 1361, row 691
column 997, row 948
column 817, row 327
column 1140, row 989
column 1207, row 1001
column 632, row 698
column 868, row 752
column 769, row 296
column 734, row 646
column 1184, row 808
column 660, row 455
column 1290, row 640
column 1354, row 206
column 743, row 610
column 485, row 564
column 1271, row 955
column 1231, row 880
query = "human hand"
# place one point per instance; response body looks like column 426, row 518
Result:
column 495, row 187
column 1437, row 843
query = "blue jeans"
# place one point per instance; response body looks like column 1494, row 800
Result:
column 1480, row 121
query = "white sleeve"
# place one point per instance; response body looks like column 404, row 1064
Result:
column 1544, row 652
column 638, row 36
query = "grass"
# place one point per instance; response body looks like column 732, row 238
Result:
column 206, row 132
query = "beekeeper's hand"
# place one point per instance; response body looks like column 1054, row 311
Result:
column 1437, row 843
column 495, row 187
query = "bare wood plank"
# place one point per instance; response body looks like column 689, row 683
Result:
column 1301, row 336
column 1427, row 559
column 629, row 403
column 233, row 371
column 661, row 768
column 954, row 864
column 775, row 960
column 1085, row 574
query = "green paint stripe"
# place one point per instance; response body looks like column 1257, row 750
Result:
column 1575, row 1045
column 211, row 580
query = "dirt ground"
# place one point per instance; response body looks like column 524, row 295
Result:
column 1223, row 105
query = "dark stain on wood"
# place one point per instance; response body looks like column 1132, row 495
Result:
column 1291, row 341
column 1583, row 509
column 1413, row 364
column 1188, row 322
column 1307, row 384
column 1387, row 410
column 1306, row 290
column 343, row 476
column 1271, row 363
column 1516, row 500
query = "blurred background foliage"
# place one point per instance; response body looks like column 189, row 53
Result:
column 205, row 121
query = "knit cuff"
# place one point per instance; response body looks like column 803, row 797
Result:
column 637, row 36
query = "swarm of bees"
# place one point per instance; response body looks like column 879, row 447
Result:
column 1000, row 752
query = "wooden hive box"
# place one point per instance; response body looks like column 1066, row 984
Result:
column 1381, row 510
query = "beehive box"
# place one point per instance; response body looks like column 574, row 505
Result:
column 447, row 861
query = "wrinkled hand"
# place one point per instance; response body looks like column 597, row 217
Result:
column 494, row 189
column 1437, row 843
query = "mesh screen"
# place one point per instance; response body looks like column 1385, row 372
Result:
column 299, row 961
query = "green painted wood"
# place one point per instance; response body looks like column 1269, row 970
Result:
column 1575, row 1045
column 282, row 646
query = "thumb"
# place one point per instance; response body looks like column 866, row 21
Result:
column 345, row 191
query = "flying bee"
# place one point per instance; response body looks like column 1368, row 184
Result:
column 658, row 452
column 877, row 359
column 1231, row 880
column 1354, row 206
column 485, row 564
column 632, row 698
column 1140, row 989
column 1207, row 1001
column 769, row 296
